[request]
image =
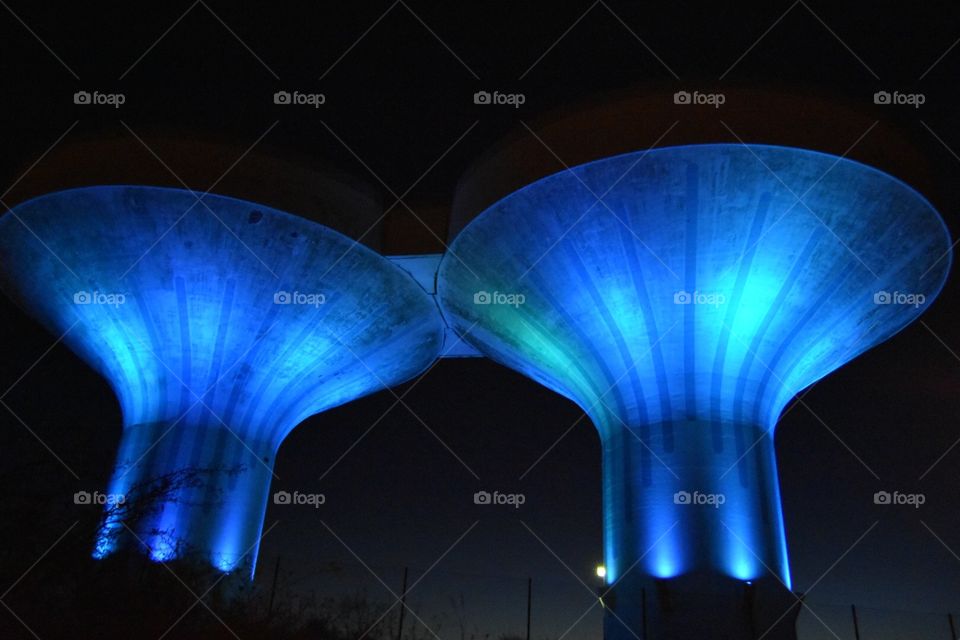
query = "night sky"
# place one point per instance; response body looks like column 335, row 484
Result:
column 401, row 493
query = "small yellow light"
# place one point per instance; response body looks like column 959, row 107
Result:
column 601, row 571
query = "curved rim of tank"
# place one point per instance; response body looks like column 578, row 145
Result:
column 431, row 309
column 835, row 160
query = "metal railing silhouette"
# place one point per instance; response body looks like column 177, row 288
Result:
column 464, row 605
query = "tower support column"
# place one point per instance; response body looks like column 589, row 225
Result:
column 188, row 490
column 692, row 518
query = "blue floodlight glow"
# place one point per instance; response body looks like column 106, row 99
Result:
column 681, row 297
column 220, row 325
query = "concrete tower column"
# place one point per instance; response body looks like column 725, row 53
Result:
column 220, row 482
column 692, row 509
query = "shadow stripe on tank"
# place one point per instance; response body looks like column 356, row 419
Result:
column 212, row 426
column 248, row 355
column 613, row 384
column 743, row 272
column 800, row 263
column 190, row 431
column 692, row 203
column 588, row 285
column 156, row 345
column 655, row 350
column 186, row 397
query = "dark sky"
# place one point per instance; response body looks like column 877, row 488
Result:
column 400, row 98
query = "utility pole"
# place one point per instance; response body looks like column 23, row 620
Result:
column 856, row 624
column 953, row 628
column 273, row 588
column 403, row 603
column 529, row 602
column 643, row 610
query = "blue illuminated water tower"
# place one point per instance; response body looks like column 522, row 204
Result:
column 681, row 297
column 221, row 325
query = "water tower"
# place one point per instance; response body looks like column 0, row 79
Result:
column 220, row 324
column 681, row 297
